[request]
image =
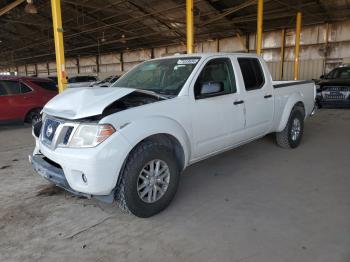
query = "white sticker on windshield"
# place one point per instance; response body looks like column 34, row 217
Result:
column 187, row 61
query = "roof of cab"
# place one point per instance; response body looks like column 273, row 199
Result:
column 207, row 55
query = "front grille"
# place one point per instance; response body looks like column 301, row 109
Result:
column 50, row 128
column 335, row 97
column 67, row 135
column 56, row 132
column 333, row 93
column 337, row 88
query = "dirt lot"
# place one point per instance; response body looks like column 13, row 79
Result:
column 255, row 203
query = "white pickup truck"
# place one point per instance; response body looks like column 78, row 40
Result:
column 130, row 143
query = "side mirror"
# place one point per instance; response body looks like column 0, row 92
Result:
column 208, row 89
column 322, row 77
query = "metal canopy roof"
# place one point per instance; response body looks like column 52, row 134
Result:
column 93, row 26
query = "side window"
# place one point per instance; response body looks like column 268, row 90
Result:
column 48, row 85
column 253, row 75
column 25, row 89
column 9, row 87
column 3, row 91
column 218, row 70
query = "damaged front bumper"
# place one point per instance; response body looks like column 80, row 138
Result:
column 54, row 173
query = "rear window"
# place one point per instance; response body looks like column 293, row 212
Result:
column 253, row 75
column 9, row 87
column 48, row 85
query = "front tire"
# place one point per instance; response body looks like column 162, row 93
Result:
column 33, row 117
column 291, row 135
column 149, row 180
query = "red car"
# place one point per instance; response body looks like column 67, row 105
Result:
column 22, row 98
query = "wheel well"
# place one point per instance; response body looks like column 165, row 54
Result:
column 301, row 106
column 171, row 142
column 164, row 139
column 30, row 111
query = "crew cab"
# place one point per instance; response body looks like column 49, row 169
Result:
column 22, row 98
column 130, row 143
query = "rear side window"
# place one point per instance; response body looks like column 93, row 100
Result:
column 25, row 89
column 253, row 75
column 9, row 87
column 48, row 85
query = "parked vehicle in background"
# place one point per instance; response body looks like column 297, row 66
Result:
column 22, row 98
column 130, row 142
column 81, row 81
column 53, row 78
column 106, row 82
column 334, row 88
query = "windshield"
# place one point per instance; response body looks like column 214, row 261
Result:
column 164, row 76
column 340, row 73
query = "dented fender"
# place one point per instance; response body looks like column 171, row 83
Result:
column 137, row 130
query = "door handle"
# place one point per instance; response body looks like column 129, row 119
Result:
column 267, row 96
column 238, row 102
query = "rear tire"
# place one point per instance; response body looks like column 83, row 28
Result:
column 132, row 195
column 291, row 135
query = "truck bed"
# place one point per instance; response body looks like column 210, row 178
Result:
column 284, row 92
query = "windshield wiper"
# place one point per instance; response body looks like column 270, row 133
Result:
column 159, row 95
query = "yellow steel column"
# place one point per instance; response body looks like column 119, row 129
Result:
column 283, row 41
column 259, row 26
column 326, row 46
column 189, row 26
column 297, row 46
column 59, row 48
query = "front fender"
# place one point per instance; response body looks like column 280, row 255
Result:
column 292, row 100
column 139, row 129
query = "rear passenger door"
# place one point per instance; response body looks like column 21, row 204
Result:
column 14, row 100
column 216, row 121
column 5, row 110
column 10, row 107
column 258, row 99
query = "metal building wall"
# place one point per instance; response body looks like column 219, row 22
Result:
column 313, row 53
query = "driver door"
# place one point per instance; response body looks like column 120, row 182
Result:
column 217, row 120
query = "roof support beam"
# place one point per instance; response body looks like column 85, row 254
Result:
column 229, row 11
column 9, row 7
column 297, row 8
column 157, row 18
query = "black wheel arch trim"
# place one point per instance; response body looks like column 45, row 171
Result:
column 293, row 83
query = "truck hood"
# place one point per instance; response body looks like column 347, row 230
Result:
column 80, row 103
column 334, row 82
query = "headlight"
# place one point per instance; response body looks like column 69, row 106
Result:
column 91, row 135
column 318, row 89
